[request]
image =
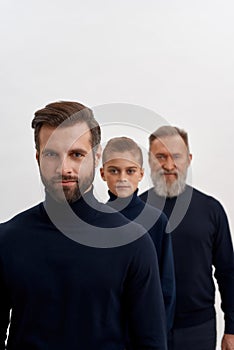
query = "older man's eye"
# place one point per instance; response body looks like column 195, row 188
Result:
column 160, row 157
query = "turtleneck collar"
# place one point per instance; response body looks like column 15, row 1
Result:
column 119, row 203
column 85, row 207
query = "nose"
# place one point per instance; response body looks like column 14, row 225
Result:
column 122, row 176
column 64, row 167
column 169, row 164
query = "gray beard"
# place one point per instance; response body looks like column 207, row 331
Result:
column 163, row 189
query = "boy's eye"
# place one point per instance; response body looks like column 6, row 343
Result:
column 131, row 171
column 113, row 171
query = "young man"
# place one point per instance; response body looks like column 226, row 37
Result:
column 122, row 170
column 200, row 238
column 72, row 271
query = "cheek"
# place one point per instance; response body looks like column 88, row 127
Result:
column 110, row 181
column 85, row 166
column 154, row 165
column 46, row 167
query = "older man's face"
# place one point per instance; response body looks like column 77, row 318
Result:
column 169, row 160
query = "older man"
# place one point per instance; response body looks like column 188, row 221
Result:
column 201, row 239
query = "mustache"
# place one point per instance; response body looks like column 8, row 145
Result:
column 65, row 178
column 168, row 172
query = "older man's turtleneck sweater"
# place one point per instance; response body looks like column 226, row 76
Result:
column 155, row 223
column 201, row 239
column 68, row 295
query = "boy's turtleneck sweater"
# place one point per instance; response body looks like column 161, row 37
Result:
column 155, row 222
column 68, row 295
column 201, row 238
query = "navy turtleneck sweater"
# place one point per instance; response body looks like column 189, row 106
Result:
column 71, row 291
column 155, row 222
column 201, row 239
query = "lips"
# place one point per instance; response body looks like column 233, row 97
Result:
column 67, row 182
column 123, row 187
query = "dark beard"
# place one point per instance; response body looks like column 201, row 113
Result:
column 67, row 194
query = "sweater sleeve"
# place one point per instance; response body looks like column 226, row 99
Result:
column 167, row 275
column 144, row 301
column 223, row 260
column 4, row 307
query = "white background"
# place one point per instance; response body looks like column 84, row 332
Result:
column 175, row 58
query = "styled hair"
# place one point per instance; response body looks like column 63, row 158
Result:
column 168, row 130
column 122, row 144
column 66, row 113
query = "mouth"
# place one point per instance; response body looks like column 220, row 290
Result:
column 122, row 187
column 68, row 183
column 169, row 174
column 65, row 183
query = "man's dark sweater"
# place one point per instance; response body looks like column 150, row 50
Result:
column 200, row 238
column 66, row 295
column 155, row 222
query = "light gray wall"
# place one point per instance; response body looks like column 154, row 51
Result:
column 172, row 57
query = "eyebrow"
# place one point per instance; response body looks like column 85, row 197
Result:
column 78, row 150
column 128, row 167
column 46, row 150
column 72, row 150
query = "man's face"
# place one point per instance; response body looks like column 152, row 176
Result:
column 122, row 173
column 169, row 161
column 66, row 161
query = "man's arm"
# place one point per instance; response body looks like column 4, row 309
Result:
column 224, row 272
column 4, row 310
column 228, row 342
column 144, row 301
column 168, row 283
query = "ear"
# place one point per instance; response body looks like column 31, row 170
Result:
column 142, row 171
column 190, row 157
column 150, row 158
column 98, row 155
column 38, row 158
column 102, row 173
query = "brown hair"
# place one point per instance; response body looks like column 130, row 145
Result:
column 122, row 144
column 65, row 113
column 168, row 130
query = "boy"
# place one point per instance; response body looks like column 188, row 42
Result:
column 122, row 161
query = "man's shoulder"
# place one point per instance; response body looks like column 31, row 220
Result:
column 201, row 196
column 149, row 192
column 151, row 211
column 20, row 219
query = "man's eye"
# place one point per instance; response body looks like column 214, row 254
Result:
column 176, row 156
column 160, row 157
column 77, row 155
column 50, row 154
column 113, row 171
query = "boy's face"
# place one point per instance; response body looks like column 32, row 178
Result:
column 122, row 172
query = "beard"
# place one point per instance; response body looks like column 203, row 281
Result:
column 66, row 193
column 164, row 189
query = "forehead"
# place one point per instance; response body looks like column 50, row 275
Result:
column 122, row 159
column 65, row 137
column 169, row 144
